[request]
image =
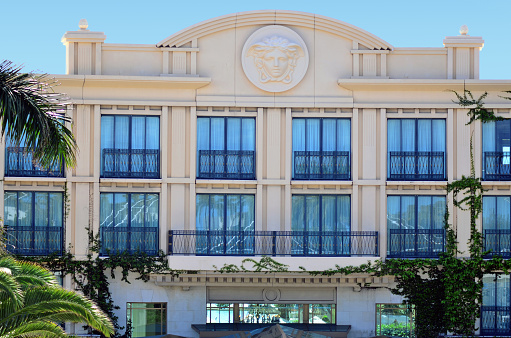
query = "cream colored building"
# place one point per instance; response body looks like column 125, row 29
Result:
column 275, row 133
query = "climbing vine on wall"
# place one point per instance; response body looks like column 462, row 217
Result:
column 91, row 275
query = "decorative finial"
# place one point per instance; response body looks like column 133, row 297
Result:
column 464, row 30
column 83, row 24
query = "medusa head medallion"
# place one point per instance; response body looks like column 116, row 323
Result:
column 275, row 58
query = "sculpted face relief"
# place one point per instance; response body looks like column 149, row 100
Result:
column 275, row 58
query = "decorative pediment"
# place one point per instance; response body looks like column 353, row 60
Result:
column 276, row 17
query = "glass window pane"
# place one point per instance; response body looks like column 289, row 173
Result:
column 10, row 208
column 24, row 208
column 152, row 210
column 137, row 210
column 41, row 209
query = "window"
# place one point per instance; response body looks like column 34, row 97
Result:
column 147, row 319
column 321, row 225
column 495, row 310
column 225, row 224
column 226, row 148
column 497, row 225
column 415, row 226
column 129, row 222
column 416, row 149
column 271, row 313
column 321, row 149
column 130, row 146
column 496, row 150
column 395, row 320
column 34, row 222
column 19, row 162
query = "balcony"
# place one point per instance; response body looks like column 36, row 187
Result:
column 19, row 162
column 415, row 243
column 495, row 321
column 496, row 166
column 417, row 166
column 227, row 164
column 498, row 242
column 273, row 243
column 130, row 163
column 34, row 241
column 322, row 165
column 129, row 239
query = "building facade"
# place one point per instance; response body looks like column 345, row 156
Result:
column 266, row 133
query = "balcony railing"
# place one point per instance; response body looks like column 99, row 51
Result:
column 227, row 164
column 322, row 165
column 19, row 162
column 498, row 241
column 273, row 243
column 130, row 163
column 416, row 243
column 34, row 241
column 495, row 321
column 417, row 165
column 496, row 166
column 129, row 239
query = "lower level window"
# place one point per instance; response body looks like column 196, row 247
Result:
column 147, row 319
column 34, row 222
column 271, row 313
column 129, row 222
column 395, row 320
column 496, row 308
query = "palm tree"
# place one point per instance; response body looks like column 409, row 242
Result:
column 32, row 302
column 30, row 111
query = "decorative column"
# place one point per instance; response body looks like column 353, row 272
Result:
column 83, row 50
column 463, row 55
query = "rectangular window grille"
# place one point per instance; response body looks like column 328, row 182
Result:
column 226, row 148
column 321, row 149
column 416, row 149
column 129, row 222
column 415, row 226
column 130, row 146
column 34, row 222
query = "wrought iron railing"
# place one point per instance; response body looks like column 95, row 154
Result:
column 495, row 321
column 417, row 165
column 498, row 241
column 130, row 163
column 34, row 241
column 19, row 162
column 415, row 243
column 322, row 165
column 227, row 164
column 273, row 243
column 129, row 239
column 496, row 166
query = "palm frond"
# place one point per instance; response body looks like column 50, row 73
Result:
column 57, row 304
column 32, row 112
column 36, row 329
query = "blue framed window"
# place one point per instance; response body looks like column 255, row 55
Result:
column 129, row 222
column 497, row 225
column 496, row 151
column 321, row 149
column 130, row 146
column 19, row 162
column 226, row 148
column 225, row 224
column 416, row 149
column 321, row 225
column 34, row 222
column 496, row 307
column 415, row 226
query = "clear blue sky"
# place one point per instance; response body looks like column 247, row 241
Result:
column 30, row 30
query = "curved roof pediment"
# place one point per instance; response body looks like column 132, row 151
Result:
column 275, row 17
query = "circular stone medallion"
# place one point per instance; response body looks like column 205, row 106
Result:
column 275, row 58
